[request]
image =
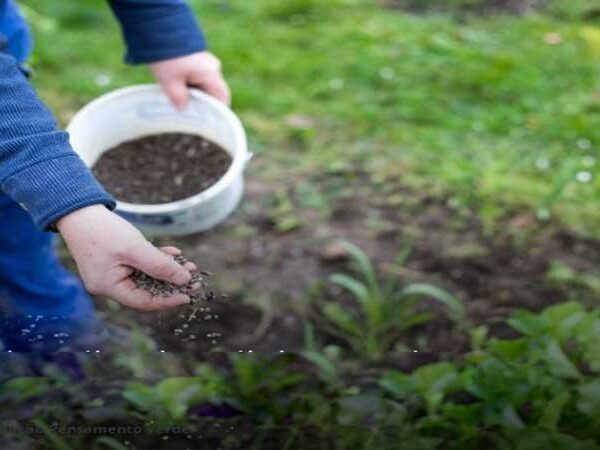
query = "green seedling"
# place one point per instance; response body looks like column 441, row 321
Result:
column 432, row 383
column 257, row 381
column 561, row 275
column 383, row 309
column 168, row 402
column 283, row 212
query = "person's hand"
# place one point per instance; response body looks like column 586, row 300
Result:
column 107, row 248
column 201, row 70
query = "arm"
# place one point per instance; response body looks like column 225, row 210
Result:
column 156, row 30
column 40, row 170
column 165, row 34
column 38, row 167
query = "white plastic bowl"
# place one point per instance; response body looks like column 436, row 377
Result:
column 137, row 111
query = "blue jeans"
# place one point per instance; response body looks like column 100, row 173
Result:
column 43, row 306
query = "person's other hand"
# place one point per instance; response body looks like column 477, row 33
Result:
column 201, row 70
column 107, row 249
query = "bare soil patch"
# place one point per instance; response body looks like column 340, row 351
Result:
column 270, row 277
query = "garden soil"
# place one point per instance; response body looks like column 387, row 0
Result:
column 271, row 277
column 161, row 168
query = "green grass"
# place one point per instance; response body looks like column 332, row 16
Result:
column 482, row 108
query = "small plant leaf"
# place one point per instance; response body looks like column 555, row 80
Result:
column 342, row 318
column 363, row 264
column 526, row 323
column 57, row 442
column 392, row 284
column 564, row 318
column 552, row 412
column 358, row 289
column 310, row 342
column 511, row 419
column 455, row 307
column 589, row 398
column 560, row 364
column 177, row 394
column 25, row 388
column 325, row 366
column 436, row 377
column 414, row 320
column 142, row 396
column 398, row 384
column 353, row 409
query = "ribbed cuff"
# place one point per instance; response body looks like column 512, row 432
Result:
column 54, row 188
column 163, row 37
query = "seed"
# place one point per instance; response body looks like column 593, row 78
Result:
column 196, row 288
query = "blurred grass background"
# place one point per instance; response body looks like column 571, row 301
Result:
column 496, row 111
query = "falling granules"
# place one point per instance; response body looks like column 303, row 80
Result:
column 197, row 288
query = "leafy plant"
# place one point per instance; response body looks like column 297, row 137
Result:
column 57, row 441
column 168, row 401
column 60, row 443
column 261, row 384
column 282, row 212
column 430, row 382
column 511, row 388
column 23, row 388
column 561, row 275
column 383, row 309
column 539, row 389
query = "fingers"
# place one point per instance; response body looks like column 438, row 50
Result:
column 200, row 69
column 177, row 92
column 215, row 86
column 158, row 265
column 170, row 250
column 127, row 294
column 190, row 266
column 174, row 251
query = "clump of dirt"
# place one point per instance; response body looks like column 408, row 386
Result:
column 161, row 168
column 197, row 288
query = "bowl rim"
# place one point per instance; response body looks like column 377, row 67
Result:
column 241, row 155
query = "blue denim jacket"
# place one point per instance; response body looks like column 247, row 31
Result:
column 38, row 167
column 15, row 37
column 153, row 30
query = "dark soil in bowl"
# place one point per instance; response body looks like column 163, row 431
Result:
column 161, row 168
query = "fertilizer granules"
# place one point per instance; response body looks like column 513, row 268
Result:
column 197, row 288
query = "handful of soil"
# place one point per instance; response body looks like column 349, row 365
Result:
column 161, row 168
column 197, row 288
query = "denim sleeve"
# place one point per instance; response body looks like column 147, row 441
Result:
column 38, row 167
column 155, row 30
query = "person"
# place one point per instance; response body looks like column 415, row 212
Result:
column 46, row 189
